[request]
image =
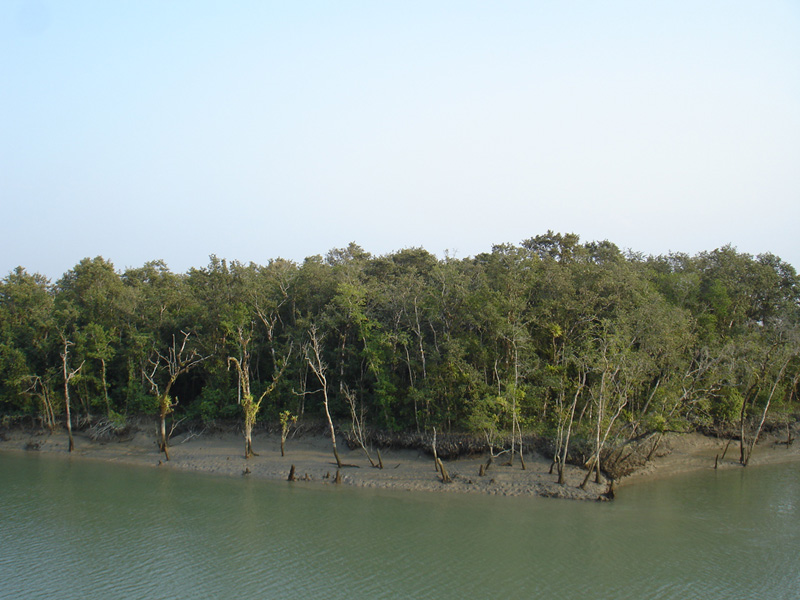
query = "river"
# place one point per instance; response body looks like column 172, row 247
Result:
column 81, row 529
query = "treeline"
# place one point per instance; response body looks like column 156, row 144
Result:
column 553, row 337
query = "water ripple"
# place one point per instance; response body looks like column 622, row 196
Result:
column 94, row 531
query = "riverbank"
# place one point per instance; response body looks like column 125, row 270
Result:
column 686, row 452
column 411, row 470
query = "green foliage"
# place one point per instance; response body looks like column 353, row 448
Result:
column 485, row 414
column 214, row 404
column 520, row 332
column 657, row 423
column 287, row 419
column 118, row 420
column 727, row 406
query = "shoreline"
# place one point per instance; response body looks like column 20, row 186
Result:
column 689, row 452
column 404, row 470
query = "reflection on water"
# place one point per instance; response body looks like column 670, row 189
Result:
column 76, row 529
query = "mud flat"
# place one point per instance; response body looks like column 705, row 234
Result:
column 411, row 470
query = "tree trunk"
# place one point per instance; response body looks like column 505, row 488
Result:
column 68, row 375
column 333, row 441
column 588, row 475
column 317, row 365
column 331, row 429
column 562, row 459
column 357, row 422
column 435, row 455
column 162, row 445
column 105, row 387
column 754, row 441
column 248, row 440
column 47, row 408
column 741, row 437
column 443, row 472
column 655, row 446
column 724, row 452
column 68, row 415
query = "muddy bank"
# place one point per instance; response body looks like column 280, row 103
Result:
column 222, row 453
column 310, row 453
column 680, row 453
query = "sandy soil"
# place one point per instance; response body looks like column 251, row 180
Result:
column 314, row 464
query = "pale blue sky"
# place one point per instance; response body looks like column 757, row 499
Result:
column 149, row 129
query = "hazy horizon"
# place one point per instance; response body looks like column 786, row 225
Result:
column 259, row 130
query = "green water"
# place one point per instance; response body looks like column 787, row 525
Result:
column 78, row 529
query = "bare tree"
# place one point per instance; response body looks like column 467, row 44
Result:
column 313, row 354
column 357, row 417
column 40, row 388
column 177, row 361
column 68, row 375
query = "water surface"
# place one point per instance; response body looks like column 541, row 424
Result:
column 80, row 529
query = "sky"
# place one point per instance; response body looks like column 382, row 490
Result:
column 253, row 130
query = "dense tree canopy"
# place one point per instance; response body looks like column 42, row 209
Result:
column 551, row 337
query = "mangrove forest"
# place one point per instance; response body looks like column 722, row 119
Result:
column 580, row 348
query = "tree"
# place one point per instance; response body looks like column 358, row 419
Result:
column 565, row 413
column 100, row 305
column 313, row 354
column 617, row 369
column 168, row 367
column 578, row 342
column 28, row 346
column 69, row 374
column 96, row 343
column 161, row 305
column 287, row 419
column 249, row 404
column 778, row 347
